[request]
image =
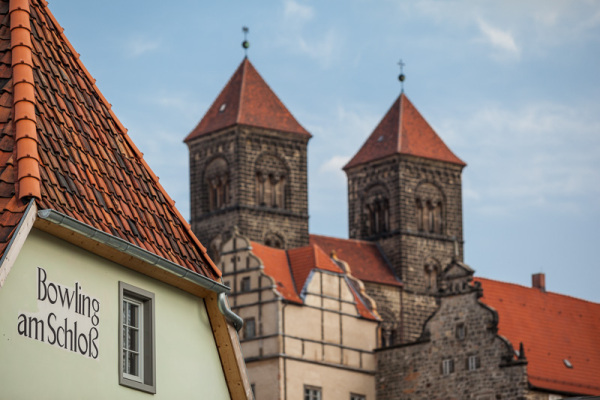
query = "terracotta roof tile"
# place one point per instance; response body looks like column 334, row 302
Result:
column 304, row 259
column 247, row 100
column 290, row 269
column 552, row 328
column 403, row 130
column 365, row 260
column 88, row 167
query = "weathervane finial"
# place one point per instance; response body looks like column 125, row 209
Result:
column 401, row 77
column 245, row 43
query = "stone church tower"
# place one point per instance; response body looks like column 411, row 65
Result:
column 248, row 166
column 404, row 192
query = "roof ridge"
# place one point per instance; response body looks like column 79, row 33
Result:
column 242, row 85
column 547, row 292
column 400, row 124
column 26, row 139
column 125, row 136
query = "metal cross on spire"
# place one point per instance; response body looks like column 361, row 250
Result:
column 401, row 77
column 245, row 43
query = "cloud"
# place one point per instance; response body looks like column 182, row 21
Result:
column 541, row 155
column 139, row 45
column 298, row 35
column 296, row 12
column 334, row 164
column 499, row 39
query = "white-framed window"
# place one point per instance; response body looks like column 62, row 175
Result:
column 312, row 393
column 447, row 366
column 354, row 396
column 136, row 338
column 473, row 363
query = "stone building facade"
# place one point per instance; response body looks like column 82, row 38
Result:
column 248, row 166
column 392, row 312
column 459, row 354
column 309, row 329
column 408, row 199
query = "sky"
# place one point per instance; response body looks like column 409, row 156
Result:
column 512, row 87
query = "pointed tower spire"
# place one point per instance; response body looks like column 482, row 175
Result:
column 247, row 100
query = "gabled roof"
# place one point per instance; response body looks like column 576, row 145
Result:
column 247, row 100
column 365, row 259
column 290, row 270
column 552, row 328
column 403, row 130
column 277, row 267
column 305, row 259
column 61, row 144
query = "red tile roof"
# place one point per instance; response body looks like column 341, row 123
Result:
column 61, row 144
column 277, row 267
column 305, row 259
column 247, row 100
column 553, row 328
column 403, row 130
column 365, row 260
column 291, row 268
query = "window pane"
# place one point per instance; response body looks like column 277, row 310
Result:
column 132, row 364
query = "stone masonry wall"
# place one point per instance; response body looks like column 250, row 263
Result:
column 415, row 371
column 241, row 147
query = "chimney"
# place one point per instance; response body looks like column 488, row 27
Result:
column 538, row 281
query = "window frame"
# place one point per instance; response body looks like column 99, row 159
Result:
column 145, row 300
column 312, row 393
column 245, row 284
column 461, row 331
column 473, row 362
column 354, row 396
column 447, row 366
column 248, row 332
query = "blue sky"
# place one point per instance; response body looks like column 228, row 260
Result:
column 512, row 87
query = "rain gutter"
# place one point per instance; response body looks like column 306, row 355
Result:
column 144, row 255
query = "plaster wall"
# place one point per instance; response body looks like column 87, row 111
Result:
column 187, row 362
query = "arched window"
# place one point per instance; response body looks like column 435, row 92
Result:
column 274, row 240
column 376, row 211
column 429, row 209
column 271, row 182
column 217, row 183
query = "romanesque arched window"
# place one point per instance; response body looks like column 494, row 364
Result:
column 271, row 182
column 376, row 211
column 217, row 183
column 429, row 209
column 274, row 240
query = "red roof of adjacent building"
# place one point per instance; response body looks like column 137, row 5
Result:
column 291, row 268
column 365, row 259
column 247, row 100
column 277, row 266
column 403, row 130
column 553, row 328
column 62, row 145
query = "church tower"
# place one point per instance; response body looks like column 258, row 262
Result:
column 248, row 166
column 404, row 192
